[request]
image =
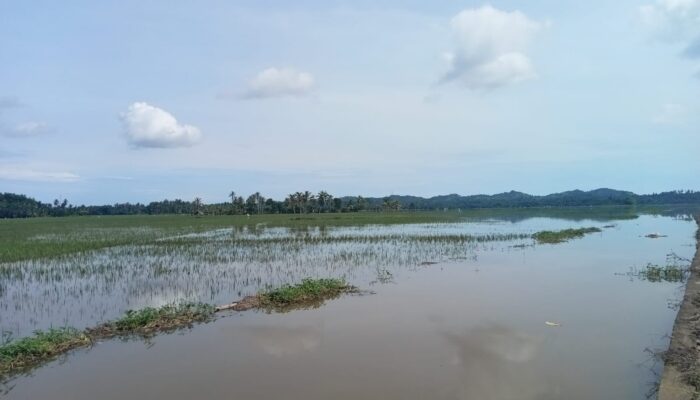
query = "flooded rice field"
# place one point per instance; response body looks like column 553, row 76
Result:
column 472, row 308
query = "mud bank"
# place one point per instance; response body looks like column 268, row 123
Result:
column 681, row 376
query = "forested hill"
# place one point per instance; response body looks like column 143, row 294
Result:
column 518, row 199
column 20, row 206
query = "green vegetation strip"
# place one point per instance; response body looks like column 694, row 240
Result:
column 563, row 235
column 22, row 355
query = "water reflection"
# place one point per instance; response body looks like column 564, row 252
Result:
column 441, row 331
column 280, row 341
column 496, row 363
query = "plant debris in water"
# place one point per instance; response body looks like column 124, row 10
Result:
column 667, row 273
column 676, row 269
column 563, row 235
column 655, row 236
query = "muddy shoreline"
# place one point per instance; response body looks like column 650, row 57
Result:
column 681, row 377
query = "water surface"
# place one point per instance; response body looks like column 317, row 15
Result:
column 471, row 326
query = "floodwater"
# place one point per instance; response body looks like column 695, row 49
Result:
column 471, row 326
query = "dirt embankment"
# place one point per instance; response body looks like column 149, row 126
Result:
column 681, row 376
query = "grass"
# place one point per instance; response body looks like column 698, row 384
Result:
column 309, row 291
column 23, row 354
column 563, row 235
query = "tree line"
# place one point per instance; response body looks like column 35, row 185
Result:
column 20, row 206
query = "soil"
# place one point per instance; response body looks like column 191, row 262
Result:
column 681, row 377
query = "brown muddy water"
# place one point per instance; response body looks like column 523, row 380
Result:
column 471, row 326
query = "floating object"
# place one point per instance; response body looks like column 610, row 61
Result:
column 655, row 235
column 549, row 323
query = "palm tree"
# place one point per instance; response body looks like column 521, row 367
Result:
column 257, row 202
column 232, row 195
column 307, row 197
column 324, row 200
column 289, row 201
column 197, row 203
column 299, row 200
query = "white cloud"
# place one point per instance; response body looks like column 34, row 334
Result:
column 675, row 21
column 32, row 175
column 670, row 113
column 279, row 82
column 149, row 126
column 490, row 48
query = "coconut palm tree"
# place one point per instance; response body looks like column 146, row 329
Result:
column 232, row 195
column 197, row 203
column 324, row 200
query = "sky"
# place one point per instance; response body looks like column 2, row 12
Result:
column 105, row 102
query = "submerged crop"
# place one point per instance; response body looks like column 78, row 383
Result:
column 563, row 235
column 308, row 291
column 22, row 355
column 216, row 265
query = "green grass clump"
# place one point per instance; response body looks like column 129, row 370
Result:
column 563, row 235
column 25, row 353
column 306, row 292
column 151, row 320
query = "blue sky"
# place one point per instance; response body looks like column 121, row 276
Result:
column 104, row 102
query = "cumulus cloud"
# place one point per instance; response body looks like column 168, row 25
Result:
column 670, row 113
column 490, row 48
column 279, row 82
column 675, row 21
column 149, row 126
column 32, row 175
